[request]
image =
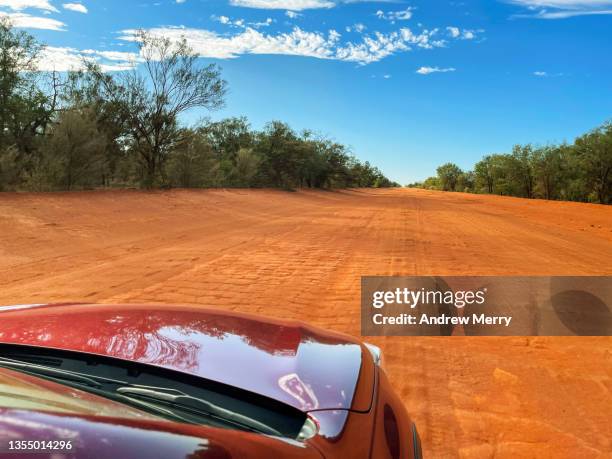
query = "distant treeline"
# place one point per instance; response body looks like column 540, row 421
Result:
column 91, row 129
column 581, row 171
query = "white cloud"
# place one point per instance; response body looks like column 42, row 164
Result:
column 465, row 34
column 569, row 13
column 567, row 4
column 292, row 14
column 77, row 7
column 59, row 59
column 543, row 74
column 19, row 5
column 115, row 56
column 359, row 28
column 393, row 16
column 371, row 47
column 62, row 59
column 454, row 31
column 241, row 23
column 428, row 70
column 561, row 9
column 292, row 5
column 26, row 21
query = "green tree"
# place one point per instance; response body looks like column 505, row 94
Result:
column 72, row 155
column 26, row 106
column 228, row 136
column 485, row 174
column 193, row 164
column 521, row 169
column 151, row 98
column 276, row 146
column 449, row 174
column 594, row 151
column 432, row 183
column 246, row 168
column 548, row 171
column 466, row 182
column 10, row 173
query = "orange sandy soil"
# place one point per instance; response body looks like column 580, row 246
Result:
column 300, row 256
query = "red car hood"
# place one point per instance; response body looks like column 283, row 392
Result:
column 306, row 368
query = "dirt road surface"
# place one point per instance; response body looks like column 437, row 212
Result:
column 300, row 256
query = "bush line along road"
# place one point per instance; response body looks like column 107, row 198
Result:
column 300, row 256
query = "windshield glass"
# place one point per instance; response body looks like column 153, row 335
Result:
column 154, row 391
column 24, row 392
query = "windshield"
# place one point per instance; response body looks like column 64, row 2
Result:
column 164, row 393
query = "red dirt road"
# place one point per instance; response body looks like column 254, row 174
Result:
column 300, row 256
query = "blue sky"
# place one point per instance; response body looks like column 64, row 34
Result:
column 407, row 84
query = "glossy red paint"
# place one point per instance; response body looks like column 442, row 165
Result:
column 112, row 438
column 291, row 362
column 329, row 375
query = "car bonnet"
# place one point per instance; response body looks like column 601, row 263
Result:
column 290, row 362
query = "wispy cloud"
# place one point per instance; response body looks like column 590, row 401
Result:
column 465, row 34
column 76, row 7
column 329, row 45
column 241, row 23
column 393, row 16
column 27, row 21
column 562, row 9
column 62, row 59
column 567, row 4
column 298, row 5
column 293, row 5
column 292, row 14
column 20, row 5
column 359, row 28
column 428, row 70
column 563, row 14
column 543, row 74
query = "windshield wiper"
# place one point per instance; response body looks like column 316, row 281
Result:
column 55, row 373
column 178, row 399
column 162, row 400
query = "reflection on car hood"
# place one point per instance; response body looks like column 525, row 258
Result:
column 304, row 367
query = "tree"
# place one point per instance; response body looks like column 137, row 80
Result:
column 228, row 136
column 246, row 168
column 192, row 164
column 432, row 183
column 449, row 174
column 466, row 181
column 10, row 177
column 276, row 146
column 522, row 169
column 595, row 155
column 548, row 170
column 73, row 153
column 151, row 100
column 484, row 171
column 26, row 109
